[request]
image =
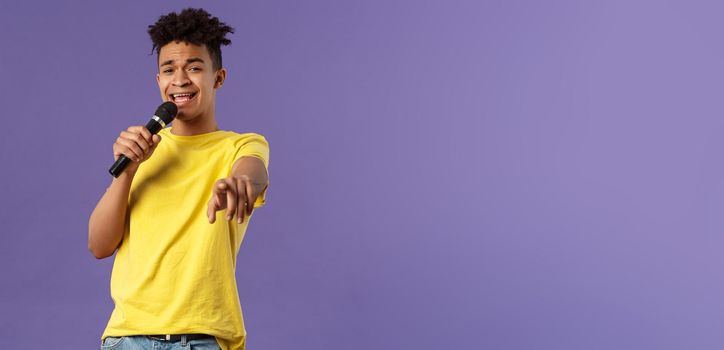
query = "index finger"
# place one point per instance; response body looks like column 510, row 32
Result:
column 231, row 195
column 143, row 131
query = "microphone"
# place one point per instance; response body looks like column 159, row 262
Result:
column 164, row 115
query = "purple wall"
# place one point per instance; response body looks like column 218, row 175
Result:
column 444, row 175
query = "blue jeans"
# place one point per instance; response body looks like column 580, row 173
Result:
column 140, row 342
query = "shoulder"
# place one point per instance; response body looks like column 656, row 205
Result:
column 243, row 139
column 250, row 144
column 231, row 133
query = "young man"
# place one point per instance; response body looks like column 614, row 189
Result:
column 173, row 281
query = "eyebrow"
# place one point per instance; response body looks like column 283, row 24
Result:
column 188, row 60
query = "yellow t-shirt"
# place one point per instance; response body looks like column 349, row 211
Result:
column 174, row 272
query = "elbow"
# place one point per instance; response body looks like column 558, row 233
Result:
column 97, row 254
column 95, row 250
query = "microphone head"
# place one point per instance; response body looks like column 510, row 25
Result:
column 166, row 111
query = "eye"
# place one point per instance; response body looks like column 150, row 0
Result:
column 195, row 68
column 167, row 71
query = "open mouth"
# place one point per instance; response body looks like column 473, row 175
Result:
column 183, row 97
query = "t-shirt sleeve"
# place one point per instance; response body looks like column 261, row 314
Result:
column 254, row 145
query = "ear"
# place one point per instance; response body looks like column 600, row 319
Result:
column 220, row 77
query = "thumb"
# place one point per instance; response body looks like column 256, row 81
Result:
column 211, row 211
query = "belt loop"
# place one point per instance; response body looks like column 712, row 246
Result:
column 183, row 340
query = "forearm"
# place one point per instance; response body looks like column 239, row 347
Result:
column 107, row 222
column 253, row 168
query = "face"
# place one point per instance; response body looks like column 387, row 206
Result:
column 187, row 78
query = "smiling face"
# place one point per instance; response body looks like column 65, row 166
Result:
column 186, row 77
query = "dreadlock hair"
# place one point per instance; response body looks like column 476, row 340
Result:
column 195, row 26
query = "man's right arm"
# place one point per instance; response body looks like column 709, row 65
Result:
column 108, row 220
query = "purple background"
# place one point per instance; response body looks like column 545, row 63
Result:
column 443, row 175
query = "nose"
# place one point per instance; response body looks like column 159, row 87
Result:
column 180, row 78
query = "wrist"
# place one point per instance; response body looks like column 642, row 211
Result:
column 127, row 174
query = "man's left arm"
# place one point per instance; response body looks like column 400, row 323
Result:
column 239, row 191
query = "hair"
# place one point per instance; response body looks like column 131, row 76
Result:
column 195, row 26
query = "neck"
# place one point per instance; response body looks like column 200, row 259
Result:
column 196, row 126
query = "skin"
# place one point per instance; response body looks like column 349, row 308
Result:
column 183, row 67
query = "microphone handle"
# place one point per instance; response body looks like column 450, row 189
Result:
column 122, row 162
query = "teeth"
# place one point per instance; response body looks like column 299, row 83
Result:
column 183, row 96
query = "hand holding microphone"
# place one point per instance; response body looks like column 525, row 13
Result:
column 136, row 144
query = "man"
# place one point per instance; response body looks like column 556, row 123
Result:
column 173, row 280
